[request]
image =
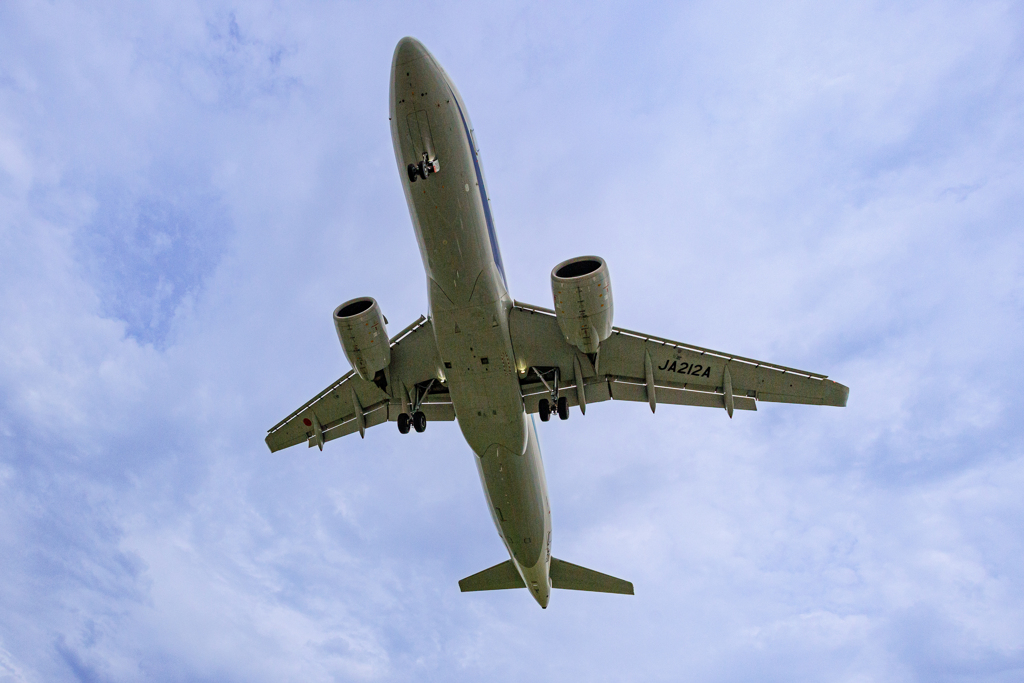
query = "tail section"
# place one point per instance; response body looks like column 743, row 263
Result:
column 577, row 578
column 563, row 575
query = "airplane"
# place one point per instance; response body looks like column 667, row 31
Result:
column 490, row 362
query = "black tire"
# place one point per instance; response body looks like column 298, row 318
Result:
column 544, row 409
column 419, row 421
column 563, row 408
column 414, row 172
column 404, row 421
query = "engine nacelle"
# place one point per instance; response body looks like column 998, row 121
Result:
column 363, row 335
column 583, row 301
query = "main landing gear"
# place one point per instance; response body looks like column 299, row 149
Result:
column 561, row 407
column 427, row 166
column 417, row 420
column 559, row 404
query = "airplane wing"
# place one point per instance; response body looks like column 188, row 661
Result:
column 631, row 366
column 352, row 404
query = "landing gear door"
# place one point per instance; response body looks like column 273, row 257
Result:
column 419, row 135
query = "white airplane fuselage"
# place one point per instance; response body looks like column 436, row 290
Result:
column 470, row 304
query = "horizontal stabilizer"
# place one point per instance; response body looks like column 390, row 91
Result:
column 577, row 578
column 499, row 577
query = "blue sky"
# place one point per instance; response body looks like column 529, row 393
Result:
column 188, row 190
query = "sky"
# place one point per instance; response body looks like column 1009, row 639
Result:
column 187, row 190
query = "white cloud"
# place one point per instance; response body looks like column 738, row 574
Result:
column 187, row 190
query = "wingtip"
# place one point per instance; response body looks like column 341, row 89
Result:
column 836, row 394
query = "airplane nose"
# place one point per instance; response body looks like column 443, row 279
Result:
column 409, row 50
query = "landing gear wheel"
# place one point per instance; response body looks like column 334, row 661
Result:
column 414, row 172
column 419, row 421
column 563, row 408
column 404, row 420
column 544, row 408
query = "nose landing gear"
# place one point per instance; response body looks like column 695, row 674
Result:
column 427, row 166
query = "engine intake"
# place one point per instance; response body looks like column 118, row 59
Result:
column 582, row 290
column 363, row 335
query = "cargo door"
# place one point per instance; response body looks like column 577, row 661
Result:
column 419, row 135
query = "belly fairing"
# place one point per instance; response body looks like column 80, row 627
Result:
column 476, row 348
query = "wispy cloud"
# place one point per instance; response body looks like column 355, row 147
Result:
column 187, row 190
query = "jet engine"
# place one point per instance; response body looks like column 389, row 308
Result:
column 363, row 335
column 583, row 301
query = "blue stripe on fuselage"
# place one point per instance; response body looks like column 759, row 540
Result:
column 483, row 192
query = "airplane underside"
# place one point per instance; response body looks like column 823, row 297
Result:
column 491, row 363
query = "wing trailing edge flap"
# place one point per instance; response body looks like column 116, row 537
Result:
column 372, row 416
column 627, row 391
column 381, row 413
column 603, row 389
